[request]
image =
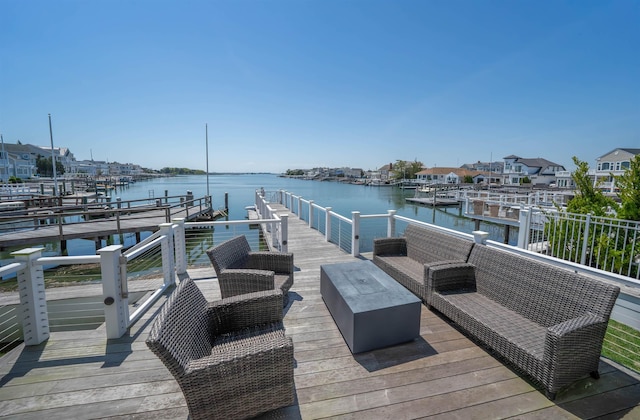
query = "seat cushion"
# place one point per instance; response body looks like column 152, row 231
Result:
column 406, row 271
column 506, row 331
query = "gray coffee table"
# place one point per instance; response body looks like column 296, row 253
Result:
column 369, row 307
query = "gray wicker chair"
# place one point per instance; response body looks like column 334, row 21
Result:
column 231, row 358
column 241, row 270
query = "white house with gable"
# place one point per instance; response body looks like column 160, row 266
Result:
column 537, row 170
column 613, row 164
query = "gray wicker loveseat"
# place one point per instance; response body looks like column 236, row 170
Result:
column 241, row 270
column 409, row 258
column 547, row 321
column 231, row 357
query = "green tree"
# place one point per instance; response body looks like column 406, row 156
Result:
column 45, row 168
column 406, row 170
column 629, row 194
column 589, row 198
column 415, row 167
column 400, row 170
column 565, row 230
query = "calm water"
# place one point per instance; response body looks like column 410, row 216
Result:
column 343, row 198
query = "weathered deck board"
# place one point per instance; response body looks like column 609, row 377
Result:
column 442, row 374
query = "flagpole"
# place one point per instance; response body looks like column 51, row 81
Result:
column 53, row 161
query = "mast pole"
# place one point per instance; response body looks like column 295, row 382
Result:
column 6, row 161
column 53, row 161
column 206, row 133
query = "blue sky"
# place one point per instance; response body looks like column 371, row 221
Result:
column 286, row 84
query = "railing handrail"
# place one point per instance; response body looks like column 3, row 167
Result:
column 11, row 268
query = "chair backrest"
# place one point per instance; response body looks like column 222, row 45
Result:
column 180, row 332
column 538, row 290
column 429, row 245
column 232, row 253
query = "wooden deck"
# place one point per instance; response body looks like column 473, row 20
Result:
column 76, row 375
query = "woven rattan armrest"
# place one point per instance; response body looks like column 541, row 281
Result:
column 390, row 246
column 450, row 275
column 574, row 325
column 572, row 348
column 280, row 262
column 245, row 310
column 586, row 330
column 238, row 281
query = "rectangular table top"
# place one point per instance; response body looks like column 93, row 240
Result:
column 365, row 287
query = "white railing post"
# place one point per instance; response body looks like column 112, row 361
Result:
column 327, row 225
column 311, row 213
column 523, row 229
column 116, row 301
column 391, row 224
column 284, row 232
column 300, row 207
column 168, row 262
column 33, row 302
column 585, row 239
column 355, row 233
column 480, row 237
column 180, row 243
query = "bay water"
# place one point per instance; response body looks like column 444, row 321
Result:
column 343, row 198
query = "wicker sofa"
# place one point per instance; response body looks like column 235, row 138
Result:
column 547, row 321
column 409, row 258
column 241, row 270
column 231, row 358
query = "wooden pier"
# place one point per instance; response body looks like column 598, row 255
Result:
column 98, row 223
column 434, row 202
column 441, row 375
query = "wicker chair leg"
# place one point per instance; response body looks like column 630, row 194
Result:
column 550, row 395
column 595, row 374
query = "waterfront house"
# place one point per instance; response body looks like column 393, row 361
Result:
column 385, row 172
column 493, row 167
column 537, row 170
column 564, row 180
column 445, row 175
column 612, row 164
column 19, row 160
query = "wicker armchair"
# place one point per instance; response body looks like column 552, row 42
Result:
column 231, row 358
column 240, row 270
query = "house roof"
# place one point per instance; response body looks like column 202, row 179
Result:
column 632, row 151
column 537, row 163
